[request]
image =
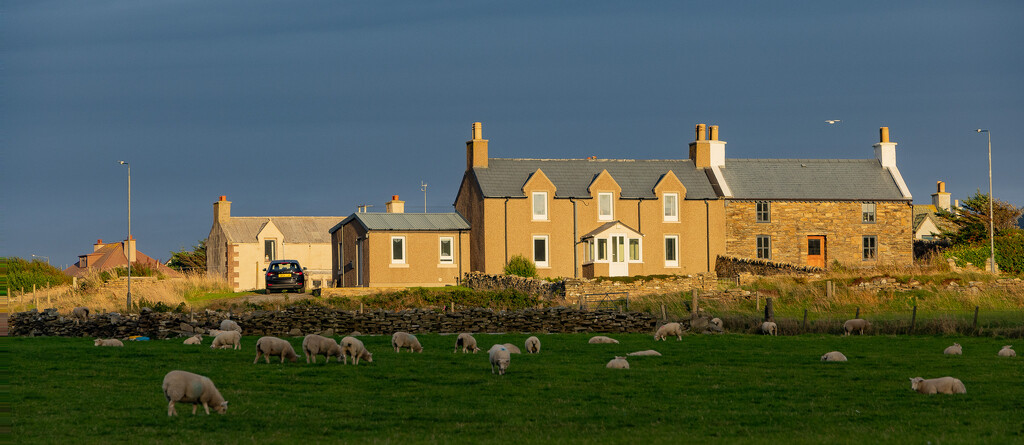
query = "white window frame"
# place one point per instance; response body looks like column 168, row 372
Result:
column 758, row 247
column 450, row 259
column 541, row 197
column 547, row 250
column 601, row 251
column 675, row 242
column 589, row 255
column 401, row 260
column 673, row 209
column 639, row 250
column 600, row 207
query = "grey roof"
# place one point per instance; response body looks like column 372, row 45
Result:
column 407, row 221
column 810, row 179
column 607, row 226
column 296, row 229
column 506, row 177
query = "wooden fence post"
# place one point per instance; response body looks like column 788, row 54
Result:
column 828, row 289
column 769, row 310
column 804, row 327
column 913, row 319
column 974, row 327
column 693, row 307
column 858, row 313
column 663, row 315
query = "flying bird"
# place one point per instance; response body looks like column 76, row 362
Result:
column 832, row 121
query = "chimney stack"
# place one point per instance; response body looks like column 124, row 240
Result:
column 885, row 151
column 129, row 249
column 476, row 149
column 395, row 206
column 99, row 244
column 707, row 153
column 221, row 210
column 940, row 199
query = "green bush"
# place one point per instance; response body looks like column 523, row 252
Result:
column 1009, row 253
column 521, row 266
column 22, row 274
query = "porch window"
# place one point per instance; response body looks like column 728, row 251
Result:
column 602, row 249
column 634, row 249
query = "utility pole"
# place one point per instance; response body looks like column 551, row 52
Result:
column 423, row 188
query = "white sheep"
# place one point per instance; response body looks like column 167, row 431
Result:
column 268, row 346
column 717, row 322
column 1007, row 351
column 186, row 387
column 647, row 353
column 956, row 349
column 108, row 342
column 941, row 385
column 533, row 345
column 225, row 338
column 667, row 330
column 194, row 340
column 228, row 325
column 467, row 342
column 512, row 349
column 600, row 339
column 834, row 356
column 618, row 363
column 856, row 324
column 499, row 356
column 215, row 332
column 769, row 328
column 402, row 339
column 353, row 347
column 314, row 345
column 80, row 314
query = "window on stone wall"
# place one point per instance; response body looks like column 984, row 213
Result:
column 764, row 247
column 764, row 213
column 867, row 209
column 870, row 247
column 269, row 250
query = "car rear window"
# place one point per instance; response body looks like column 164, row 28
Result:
column 284, row 267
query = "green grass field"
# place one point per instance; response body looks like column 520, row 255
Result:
column 727, row 388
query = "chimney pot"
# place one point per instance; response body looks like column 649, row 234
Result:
column 478, row 130
column 714, row 133
column 394, row 197
column 883, row 134
column 99, row 241
column 700, row 132
column 223, row 198
column 942, row 186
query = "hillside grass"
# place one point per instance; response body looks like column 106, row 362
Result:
column 729, row 388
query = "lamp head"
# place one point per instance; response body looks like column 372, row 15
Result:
column 121, row 162
column 981, row 130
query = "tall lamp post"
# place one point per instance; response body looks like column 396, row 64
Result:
column 129, row 241
column 41, row 256
column 991, row 219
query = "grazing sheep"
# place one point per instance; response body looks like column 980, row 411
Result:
column 647, row 353
column 268, row 346
column 194, row 340
column 353, row 347
column 1007, row 351
column 467, row 342
column 228, row 325
column 856, row 324
column 769, row 328
column 499, row 356
column 80, row 314
column 618, row 363
column 215, row 332
column 941, row 385
column 669, row 329
column 402, row 339
column 834, row 356
column 108, row 342
column 600, row 339
column 186, row 387
column 717, row 322
column 314, row 345
column 233, row 338
column 533, row 345
column 956, row 349
column 512, row 349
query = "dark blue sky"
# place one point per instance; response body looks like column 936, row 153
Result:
column 312, row 108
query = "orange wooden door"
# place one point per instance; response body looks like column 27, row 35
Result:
column 816, row 251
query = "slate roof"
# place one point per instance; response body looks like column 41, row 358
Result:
column 505, row 177
column 296, row 229
column 407, row 221
column 810, row 179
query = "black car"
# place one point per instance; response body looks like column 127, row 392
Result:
column 285, row 275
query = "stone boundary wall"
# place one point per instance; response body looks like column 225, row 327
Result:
column 732, row 267
column 302, row 320
column 571, row 289
column 543, row 288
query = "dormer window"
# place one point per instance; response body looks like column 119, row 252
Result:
column 540, row 206
column 604, row 207
column 671, row 209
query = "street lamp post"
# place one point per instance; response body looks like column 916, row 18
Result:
column 129, row 241
column 991, row 219
column 41, row 256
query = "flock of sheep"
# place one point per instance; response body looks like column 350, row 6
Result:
column 186, row 387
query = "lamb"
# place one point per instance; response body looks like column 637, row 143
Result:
column 467, row 342
column 233, row 338
column 499, row 356
column 941, row 385
column 717, row 322
column 268, row 346
column 314, row 345
column 403, row 339
column 108, row 342
column 512, row 349
column 228, row 325
column 353, row 347
column 598, row 339
column 667, row 330
column 80, row 314
column 834, row 356
column 194, row 340
column 956, row 349
column 533, row 345
column 647, row 353
column 856, row 324
column 618, row 363
column 769, row 328
column 186, row 387
column 1007, row 351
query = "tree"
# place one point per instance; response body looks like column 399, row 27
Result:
column 971, row 220
column 189, row 261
